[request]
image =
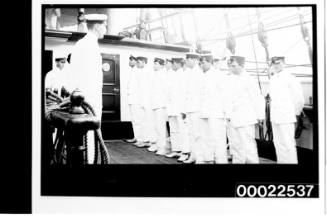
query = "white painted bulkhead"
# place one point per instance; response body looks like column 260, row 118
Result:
column 59, row 46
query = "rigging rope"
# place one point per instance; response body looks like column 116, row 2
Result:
column 292, row 46
column 268, row 30
column 255, row 57
column 272, row 23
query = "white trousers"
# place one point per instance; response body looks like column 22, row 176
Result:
column 243, row 146
column 193, row 133
column 213, row 140
column 147, row 125
column 160, row 118
column 285, row 143
column 178, row 137
column 135, row 119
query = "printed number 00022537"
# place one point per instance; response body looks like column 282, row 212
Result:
column 274, row 190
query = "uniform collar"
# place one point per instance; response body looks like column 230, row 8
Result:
column 92, row 36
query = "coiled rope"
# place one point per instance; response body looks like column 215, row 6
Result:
column 64, row 104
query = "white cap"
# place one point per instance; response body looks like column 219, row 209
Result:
column 95, row 17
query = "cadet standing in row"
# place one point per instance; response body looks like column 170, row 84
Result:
column 176, row 82
column 246, row 107
column 193, row 78
column 212, row 114
column 158, row 96
column 287, row 102
column 146, row 115
column 133, row 90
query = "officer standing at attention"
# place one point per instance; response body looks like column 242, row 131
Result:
column 246, row 107
column 192, row 105
column 287, row 102
column 158, row 96
column 176, row 89
column 86, row 64
column 212, row 114
column 132, row 98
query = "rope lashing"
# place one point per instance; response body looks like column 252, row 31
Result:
column 305, row 34
column 255, row 56
column 230, row 40
column 262, row 34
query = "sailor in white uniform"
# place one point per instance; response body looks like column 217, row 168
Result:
column 86, row 64
column 133, row 99
column 287, row 102
column 246, row 107
column 192, row 106
column 176, row 89
column 145, row 73
column 212, row 114
column 158, row 97
column 57, row 80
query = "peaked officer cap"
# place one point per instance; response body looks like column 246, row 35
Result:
column 177, row 60
column 95, row 18
column 160, row 61
column 141, row 58
column 132, row 58
column 60, row 56
column 206, row 57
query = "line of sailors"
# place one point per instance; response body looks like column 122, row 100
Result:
column 205, row 106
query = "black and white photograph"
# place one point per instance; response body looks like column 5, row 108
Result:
column 169, row 86
column 179, row 100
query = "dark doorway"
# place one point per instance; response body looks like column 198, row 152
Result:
column 46, row 63
column 111, row 88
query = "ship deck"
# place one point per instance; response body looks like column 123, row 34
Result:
column 126, row 153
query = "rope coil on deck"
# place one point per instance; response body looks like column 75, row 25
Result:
column 59, row 104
